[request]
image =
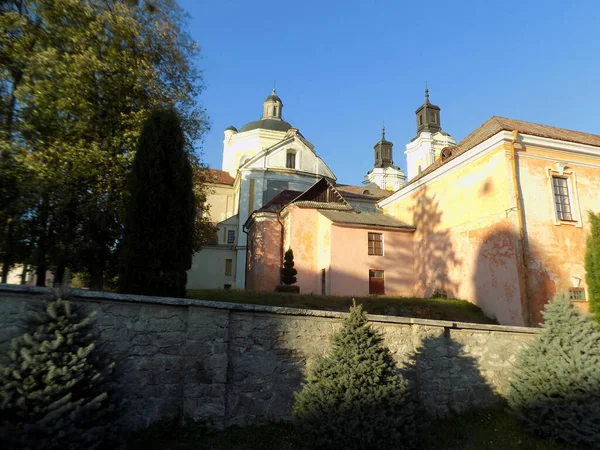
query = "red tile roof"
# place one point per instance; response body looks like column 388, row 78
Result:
column 496, row 124
column 216, row 176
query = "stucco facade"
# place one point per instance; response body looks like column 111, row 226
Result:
column 331, row 248
column 470, row 241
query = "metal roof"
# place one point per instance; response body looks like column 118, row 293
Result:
column 365, row 219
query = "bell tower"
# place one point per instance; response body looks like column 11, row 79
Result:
column 384, row 175
column 426, row 147
column 272, row 107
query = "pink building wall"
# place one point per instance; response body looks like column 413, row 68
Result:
column 264, row 254
column 351, row 262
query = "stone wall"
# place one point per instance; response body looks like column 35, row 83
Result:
column 235, row 363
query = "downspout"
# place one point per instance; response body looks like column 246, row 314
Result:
column 246, row 263
column 513, row 155
column 281, row 240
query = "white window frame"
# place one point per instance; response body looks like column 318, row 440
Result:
column 561, row 170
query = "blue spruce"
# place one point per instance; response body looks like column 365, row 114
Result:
column 53, row 388
column 354, row 398
column 555, row 388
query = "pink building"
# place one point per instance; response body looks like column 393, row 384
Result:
column 341, row 245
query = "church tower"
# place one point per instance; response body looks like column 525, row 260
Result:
column 426, row 147
column 384, row 175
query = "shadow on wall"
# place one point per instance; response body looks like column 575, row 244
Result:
column 434, row 253
column 446, row 379
column 498, row 279
column 264, row 368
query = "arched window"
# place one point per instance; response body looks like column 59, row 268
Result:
column 290, row 161
column 243, row 160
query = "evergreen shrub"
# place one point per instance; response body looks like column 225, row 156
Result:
column 288, row 273
column 354, row 398
column 53, row 387
column 592, row 265
column 555, row 387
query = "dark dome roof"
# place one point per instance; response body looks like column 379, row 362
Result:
column 231, row 127
column 273, row 98
column 267, row 124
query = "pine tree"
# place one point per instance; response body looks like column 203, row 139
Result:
column 288, row 273
column 555, row 388
column 53, row 390
column 354, row 399
column 592, row 265
column 159, row 228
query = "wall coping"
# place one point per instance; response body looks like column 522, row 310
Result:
column 91, row 296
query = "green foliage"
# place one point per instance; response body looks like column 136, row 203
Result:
column 288, row 273
column 53, row 391
column 354, row 399
column 592, row 265
column 77, row 80
column 555, row 388
column 159, row 229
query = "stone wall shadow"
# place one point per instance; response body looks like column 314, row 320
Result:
column 265, row 368
column 434, row 253
column 446, row 380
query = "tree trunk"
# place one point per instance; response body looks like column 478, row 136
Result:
column 8, row 254
column 24, row 274
column 41, row 266
column 97, row 271
column 59, row 274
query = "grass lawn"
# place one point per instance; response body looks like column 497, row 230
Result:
column 424, row 308
column 488, row 429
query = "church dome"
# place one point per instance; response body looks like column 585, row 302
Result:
column 231, row 128
column 271, row 119
column 267, row 124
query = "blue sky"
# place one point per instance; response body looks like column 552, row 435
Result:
column 343, row 67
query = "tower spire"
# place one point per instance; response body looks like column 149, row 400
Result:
column 383, row 130
column 426, row 93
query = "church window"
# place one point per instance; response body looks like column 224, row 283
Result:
column 230, row 236
column 421, row 119
column 290, row 161
column 562, row 199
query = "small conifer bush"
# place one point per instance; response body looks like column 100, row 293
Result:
column 555, row 388
column 53, row 391
column 288, row 273
column 354, row 399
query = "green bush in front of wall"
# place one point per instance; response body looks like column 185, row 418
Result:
column 555, row 387
column 354, row 398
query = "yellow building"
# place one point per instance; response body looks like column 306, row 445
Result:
column 501, row 217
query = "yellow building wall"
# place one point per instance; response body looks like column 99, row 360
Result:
column 466, row 243
column 556, row 252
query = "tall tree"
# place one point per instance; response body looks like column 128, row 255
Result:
column 592, row 265
column 75, row 104
column 159, row 229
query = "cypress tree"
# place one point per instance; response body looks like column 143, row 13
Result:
column 354, row 399
column 555, row 388
column 592, row 265
column 159, row 228
column 288, row 273
column 53, row 388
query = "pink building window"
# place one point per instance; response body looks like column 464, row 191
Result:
column 376, row 244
